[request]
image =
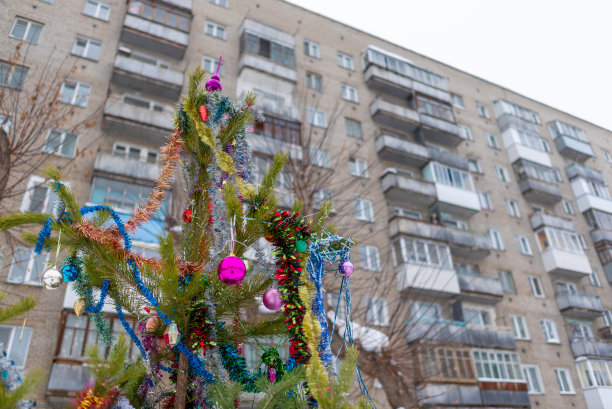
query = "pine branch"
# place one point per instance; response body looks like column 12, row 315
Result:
column 10, row 400
column 13, row 311
column 10, row 221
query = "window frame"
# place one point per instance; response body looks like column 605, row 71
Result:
column 370, row 265
column 457, row 98
column 465, row 132
column 15, row 335
column 512, row 208
column 354, row 124
column 594, row 279
column 358, row 167
column 498, row 361
column 73, row 100
column 492, row 141
column 568, row 379
column 549, row 329
column 320, row 157
column 345, row 61
column 523, row 244
column 99, row 6
column 502, row 174
column 314, row 81
column 214, row 63
column 220, row 3
column 349, row 93
column 485, row 200
column 498, row 243
column 436, row 362
column 370, row 302
column 30, row 23
column 34, row 182
column 63, row 136
column 364, row 209
column 528, row 378
column 536, row 286
column 568, row 208
column 11, row 70
column 312, row 49
column 215, row 30
column 505, row 278
column 483, row 110
column 419, row 252
column 88, row 41
column 31, row 276
column 317, row 117
column 519, row 327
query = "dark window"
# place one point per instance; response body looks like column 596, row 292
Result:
column 277, row 128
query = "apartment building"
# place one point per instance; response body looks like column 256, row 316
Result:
column 486, row 213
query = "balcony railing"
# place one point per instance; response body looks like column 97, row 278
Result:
column 395, row 116
column 159, row 38
column 121, row 118
column 577, row 170
column 399, row 188
column 591, row 347
column 580, row 305
column 152, row 79
column 479, row 288
column 573, row 148
column 401, row 151
column 459, row 332
column 119, row 165
column 439, row 131
column 388, row 82
column 539, row 192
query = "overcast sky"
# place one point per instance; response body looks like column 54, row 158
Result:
column 556, row 52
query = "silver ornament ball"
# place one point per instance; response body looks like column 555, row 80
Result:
column 52, row 279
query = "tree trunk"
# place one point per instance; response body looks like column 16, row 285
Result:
column 182, row 380
column 5, row 162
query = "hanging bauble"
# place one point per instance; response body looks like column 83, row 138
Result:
column 231, row 270
column 52, row 279
column 152, row 323
column 248, row 264
column 269, row 237
column 172, row 334
column 346, row 268
column 188, row 215
column 271, row 373
column 79, row 307
column 301, row 246
column 214, row 83
column 203, row 112
column 70, row 273
column 272, row 299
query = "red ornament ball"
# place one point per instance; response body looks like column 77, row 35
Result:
column 188, row 215
column 203, row 113
column 272, row 299
column 231, row 270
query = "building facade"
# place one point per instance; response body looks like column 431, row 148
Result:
column 486, row 214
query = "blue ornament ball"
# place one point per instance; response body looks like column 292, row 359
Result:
column 70, row 273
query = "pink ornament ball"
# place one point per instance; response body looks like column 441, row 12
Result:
column 231, row 270
column 346, row 268
column 153, row 323
column 272, row 299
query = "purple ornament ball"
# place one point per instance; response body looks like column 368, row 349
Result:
column 272, row 299
column 231, row 270
column 346, row 268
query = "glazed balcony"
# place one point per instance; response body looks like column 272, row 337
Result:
column 480, row 289
column 439, row 131
column 539, row 192
column 400, row 188
column 420, row 279
column 591, row 348
column 150, row 79
column 450, row 395
column 388, row 82
column 526, row 146
column 107, row 163
column 570, row 141
column 401, row 151
column 121, row 118
column 580, row 305
column 598, row 397
column 455, row 196
column 566, row 264
column 394, row 116
column 150, row 35
column 459, row 332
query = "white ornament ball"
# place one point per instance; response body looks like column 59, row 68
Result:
column 52, row 279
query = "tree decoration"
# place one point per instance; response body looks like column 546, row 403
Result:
column 231, row 270
column 301, row 246
column 187, row 215
column 272, row 299
column 79, row 307
column 70, row 273
column 172, row 334
column 346, row 268
column 153, row 323
column 52, row 279
column 249, row 265
column 203, row 112
column 214, row 83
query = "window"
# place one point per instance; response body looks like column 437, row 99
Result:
column 452, row 176
column 12, row 76
column 523, row 244
column 421, row 252
column 492, row 141
column 364, row 210
column 353, row 128
column 534, row 380
column 502, row 173
column 507, row 282
column 271, row 50
column 376, row 310
column 75, row 93
column 581, row 331
column 279, row 128
column 567, row 206
column 222, row 3
column 465, row 132
column 444, row 363
column 607, row 317
column 16, row 345
column 358, row 167
column 607, row 156
column 512, row 208
column 370, row 258
column 27, row 267
column 497, row 365
column 474, row 165
column 210, row 64
column 550, row 331
column 496, row 239
column 530, row 139
column 485, row 200
column 564, row 381
column 160, row 14
column 457, row 101
column 504, row 107
column 536, row 286
column 97, row 9
column 26, row 30
column 425, row 311
column 38, row 196
column 550, row 237
column 134, row 152
column 260, row 168
column 215, row 30
column 476, row 317
column 61, row 143
column 519, row 327
column 345, row 61
column 594, row 279
column 349, row 93
column 435, row 109
column 320, row 157
column 87, row 48
column 316, row 117
column 321, row 195
column 314, row 81
column 123, row 196
column 594, row 373
column 312, row 49
column 483, row 111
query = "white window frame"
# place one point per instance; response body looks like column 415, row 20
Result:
column 14, row 338
column 421, row 253
column 502, row 174
column 551, row 335
column 88, row 42
column 221, row 3
column 314, row 81
column 62, row 136
column 349, row 93
column 536, row 287
column 594, row 279
column 33, row 182
column 15, row 76
column 31, row 277
column 533, row 378
column 215, row 30
column 483, row 111
column 592, row 369
column 519, row 327
column 492, row 140
column 316, row 117
column 457, row 101
column 523, row 245
column 319, row 196
column 607, row 156
column 346, row 61
column 210, row 64
column 512, row 208
column 320, row 157
column 372, row 264
column 506, row 279
column 30, row 23
column 485, row 200
column 312, row 49
column 73, row 100
column 506, row 363
column 465, row 132
column 144, row 152
column 377, row 311
column 474, row 165
column 568, row 208
column 496, row 239
column 607, row 318
column 568, row 378
column 99, row 7
column 364, row 209
column 359, row 167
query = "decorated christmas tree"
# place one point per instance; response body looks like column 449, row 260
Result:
column 196, row 303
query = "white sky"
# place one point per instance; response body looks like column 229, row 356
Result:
column 556, row 52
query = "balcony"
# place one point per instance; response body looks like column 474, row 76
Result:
column 402, row 152
column 448, row 394
column 125, row 119
column 439, row 131
column 592, row 348
column 459, row 332
column 264, row 65
column 580, row 305
column 149, row 35
column 147, row 78
column 573, row 148
column 403, row 189
column 598, row 397
column 66, row 379
column 447, row 158
column 106, row 163
column 577, row 170
column 566, row 264
column 423, row 280
column 186, row 4
column 388, row 82
column 480, row 289
column 270, row 146
column 464, row 244
column 588, row 201
column 394, row 116
column 504, row 394
column 539, row 192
